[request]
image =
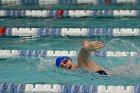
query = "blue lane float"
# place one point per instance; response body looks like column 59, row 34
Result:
column 137, row 89
column 16, row 13
column 69, row 13
column 12, row 88
column 29, row 2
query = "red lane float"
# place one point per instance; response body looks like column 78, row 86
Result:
column 60, row 13
column 2, row 31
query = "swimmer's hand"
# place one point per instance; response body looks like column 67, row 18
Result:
column 92, row 46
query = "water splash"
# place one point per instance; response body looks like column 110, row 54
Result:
column 130, row 70
column 130, row 66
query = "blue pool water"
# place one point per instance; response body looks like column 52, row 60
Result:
column 42, row 70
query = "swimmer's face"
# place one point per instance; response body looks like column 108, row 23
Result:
column 67, row 64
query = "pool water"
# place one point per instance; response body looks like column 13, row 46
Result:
column 42, row 70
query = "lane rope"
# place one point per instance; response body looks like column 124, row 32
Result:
column 52, row 2
column 74, row 32
column 51, row 53
column 5, row 87
column 69, row 13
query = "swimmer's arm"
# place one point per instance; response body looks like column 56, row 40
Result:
column 84, row 54
column 83, row 57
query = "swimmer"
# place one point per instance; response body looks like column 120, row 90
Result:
column 83, row 59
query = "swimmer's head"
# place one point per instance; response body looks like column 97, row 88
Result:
column 64, row 62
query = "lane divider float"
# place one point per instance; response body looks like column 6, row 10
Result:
column 69, row 13
column 52, row 2
column 74, row 32
column 5, row 87
column 51, row 53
